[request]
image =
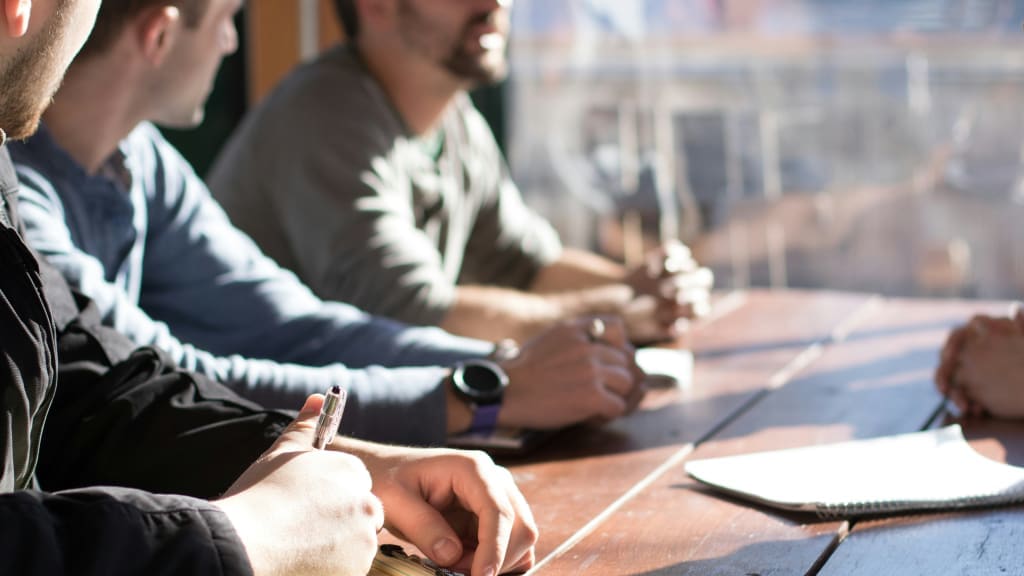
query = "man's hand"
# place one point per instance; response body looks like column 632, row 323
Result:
column 457, row 507
column 567, row 375
column 303, row 511
column 988, row 376
column 670, row 288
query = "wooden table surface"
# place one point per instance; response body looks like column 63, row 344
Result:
column 773, row 370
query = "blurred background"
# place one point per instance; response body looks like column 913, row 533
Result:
column 872, row 145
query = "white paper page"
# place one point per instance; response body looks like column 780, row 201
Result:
column 933, row 469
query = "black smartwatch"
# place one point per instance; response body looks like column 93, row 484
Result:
column 482, row 383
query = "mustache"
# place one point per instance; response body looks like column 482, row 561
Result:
column 488, row 18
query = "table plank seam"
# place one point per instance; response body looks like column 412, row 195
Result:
column 799, row 363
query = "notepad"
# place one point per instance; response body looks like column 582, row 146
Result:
column 502, row 441
column 666, row 366
column 931, row 470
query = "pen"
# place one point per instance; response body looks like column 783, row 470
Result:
column 330, row 417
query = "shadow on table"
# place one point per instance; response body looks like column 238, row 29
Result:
column 896, row 381
column 758, row 559
column 933, row 326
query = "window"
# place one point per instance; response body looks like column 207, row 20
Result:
column 848, row 144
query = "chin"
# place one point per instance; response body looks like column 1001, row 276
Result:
column 182, row 122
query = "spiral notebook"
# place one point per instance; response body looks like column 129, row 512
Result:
column 933, row 470
column 392, row 560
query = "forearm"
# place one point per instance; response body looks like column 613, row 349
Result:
column 490, row 313
column 577, row 269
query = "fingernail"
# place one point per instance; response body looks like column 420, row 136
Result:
column 490, row 571
column 446, row 551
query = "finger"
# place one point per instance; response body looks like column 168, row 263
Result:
column 697, row 279
column 608, row 355
column 668, row 312
column 617, row 379
column 496, row 519
column 607, row 404
column 636, row 396
column 977, row 328
column 677, row 257
column 959, row 398
column 520, row 555
column 424, row 526
column 948, row 359
column 301, row 431
column 941, row 381
column 1017, row 313
column 615, row 332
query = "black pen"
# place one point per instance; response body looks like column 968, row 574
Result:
column 330, row 417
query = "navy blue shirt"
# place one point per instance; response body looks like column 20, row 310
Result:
column 145, row 240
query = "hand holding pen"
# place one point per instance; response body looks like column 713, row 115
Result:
column 302, row 510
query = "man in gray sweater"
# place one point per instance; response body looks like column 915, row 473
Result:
column 370, row 175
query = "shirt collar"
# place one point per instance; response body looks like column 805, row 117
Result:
column 113, row 169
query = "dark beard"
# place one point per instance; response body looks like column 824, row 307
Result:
column 474, row 69
column 470, row 68
column 29, row 79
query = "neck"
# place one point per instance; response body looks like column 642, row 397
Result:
column 93, row 111
column 420, row 93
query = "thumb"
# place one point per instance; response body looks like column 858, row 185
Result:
column 300, row 432
column 425, row 527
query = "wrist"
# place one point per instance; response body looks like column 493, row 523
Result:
column 247, row 531
column 480, row 386
column 459, row 414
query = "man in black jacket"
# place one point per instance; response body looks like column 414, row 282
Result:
column 124, row 418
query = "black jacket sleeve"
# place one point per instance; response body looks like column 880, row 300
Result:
column 142, row 422
column 115, row 419
column 115, row 532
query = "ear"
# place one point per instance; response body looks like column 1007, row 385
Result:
column 16, row 16
column 157, row 31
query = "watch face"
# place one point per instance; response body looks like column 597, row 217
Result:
column 482, row 381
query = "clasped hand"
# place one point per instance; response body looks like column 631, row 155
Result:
column 670, row 289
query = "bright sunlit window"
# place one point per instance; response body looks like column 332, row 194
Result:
column 848, row 144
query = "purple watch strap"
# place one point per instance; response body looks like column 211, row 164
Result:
column 485, row 418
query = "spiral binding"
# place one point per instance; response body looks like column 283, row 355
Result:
column 851, row 509
column 391, row 560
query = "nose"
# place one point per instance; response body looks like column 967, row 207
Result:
column 229, row 37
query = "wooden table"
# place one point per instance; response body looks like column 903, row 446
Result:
column 773, row 370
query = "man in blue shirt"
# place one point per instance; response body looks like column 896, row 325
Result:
column 113, row 206
column 121, row 421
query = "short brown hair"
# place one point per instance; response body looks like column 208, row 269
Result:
column 349, row 17
column 115, row 14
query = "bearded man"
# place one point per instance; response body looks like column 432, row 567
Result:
column 370, row 175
